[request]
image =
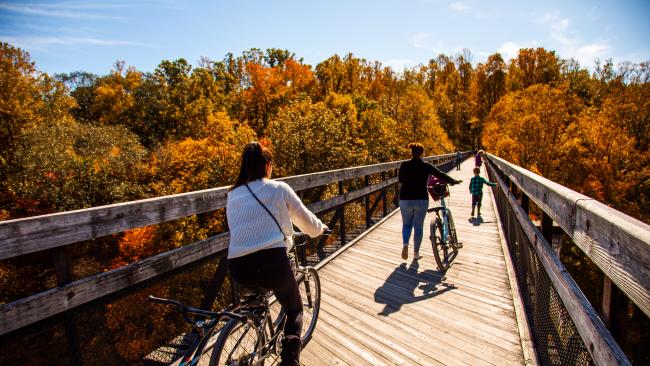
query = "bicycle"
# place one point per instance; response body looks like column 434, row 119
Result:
column 257, row 337
column 443, row 237
column 252, row 333
column 203, row 327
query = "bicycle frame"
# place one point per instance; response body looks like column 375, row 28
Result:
column 266, row 346
column 445, row 220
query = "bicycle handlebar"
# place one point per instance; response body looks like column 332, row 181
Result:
column 301, row 235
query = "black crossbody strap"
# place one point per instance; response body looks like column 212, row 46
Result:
column 266, row 209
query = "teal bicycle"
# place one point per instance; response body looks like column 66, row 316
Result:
column 442, row 229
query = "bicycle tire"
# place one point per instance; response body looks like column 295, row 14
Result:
column 309, row 285
column 440, row 252
column 310, row 309
column 237, row 344
column 452, row 233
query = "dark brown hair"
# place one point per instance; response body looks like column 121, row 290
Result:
column 253, row 163
column 416, row 149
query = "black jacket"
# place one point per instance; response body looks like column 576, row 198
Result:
column 413, row 175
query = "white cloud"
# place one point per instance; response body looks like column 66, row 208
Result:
column 567, row 42
column 459, row 7
column 420, row 40
column 399, row 64
column 509, row 50
column 588, row 53
column 52, row 10
column 42, row 42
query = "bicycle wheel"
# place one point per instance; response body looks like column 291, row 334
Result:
column 440, row 252
column 309, row 288
column 239, row 343
column 453, row 239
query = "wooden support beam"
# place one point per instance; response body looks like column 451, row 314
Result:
column 61, row 260
column 374, row 205
column 396, row 195
column 384, row 207
column 607, row 302
column 366, row 201
column 216, row 284
column 341, row 214
column 525, row 203
column 321, row 242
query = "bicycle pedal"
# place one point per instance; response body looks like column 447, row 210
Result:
column 459, row 245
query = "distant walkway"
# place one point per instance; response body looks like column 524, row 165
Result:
column 378, row 310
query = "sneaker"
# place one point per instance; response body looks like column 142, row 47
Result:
column 405, row 252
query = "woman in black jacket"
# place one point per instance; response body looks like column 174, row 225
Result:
column 414, row 201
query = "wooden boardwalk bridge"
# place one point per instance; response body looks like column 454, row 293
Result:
column 380, row 310
column 506, row 300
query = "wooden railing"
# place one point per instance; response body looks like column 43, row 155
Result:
column 618, row 244
column 55, row 232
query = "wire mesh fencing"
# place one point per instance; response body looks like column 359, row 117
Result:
column 556, row 338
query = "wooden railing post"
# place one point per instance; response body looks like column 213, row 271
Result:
column 607, row 303
column 525, row 202
column 384, row 207
column 396, row 195
column 548, row 233
column 63, row 277
column 366, row 201
column 341, row 213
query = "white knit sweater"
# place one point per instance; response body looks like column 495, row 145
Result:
column 251, row 227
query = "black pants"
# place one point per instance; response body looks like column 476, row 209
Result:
column 270, row 270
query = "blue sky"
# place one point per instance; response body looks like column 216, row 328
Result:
column 64, row 36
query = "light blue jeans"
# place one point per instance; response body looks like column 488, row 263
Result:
column 413, row 214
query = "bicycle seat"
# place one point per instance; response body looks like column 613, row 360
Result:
column 252, row 297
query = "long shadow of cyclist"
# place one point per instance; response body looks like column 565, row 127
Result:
column 399, row 288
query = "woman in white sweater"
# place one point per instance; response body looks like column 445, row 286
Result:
column 260, row 213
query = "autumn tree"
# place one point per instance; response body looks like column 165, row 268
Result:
column 20, row 100
column 67, row 166
column 533, row 66
column 528, row 128
column 82, row 86
column 309, row 137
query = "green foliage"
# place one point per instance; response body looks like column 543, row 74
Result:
column 67, row 166
column 310, row 137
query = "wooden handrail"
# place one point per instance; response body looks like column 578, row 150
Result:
column 22, row 236
column 33, row 234
column 597, row 339
column 617, row 243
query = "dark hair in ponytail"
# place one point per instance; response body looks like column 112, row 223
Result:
column 253, row 163
column 417, row 150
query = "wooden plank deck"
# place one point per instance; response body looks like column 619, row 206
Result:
column 380, row 310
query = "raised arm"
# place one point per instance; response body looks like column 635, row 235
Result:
column 492, row 184
column 439, row 174
column 300, row 215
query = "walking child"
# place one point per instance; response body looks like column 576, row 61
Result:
column 476, row 189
